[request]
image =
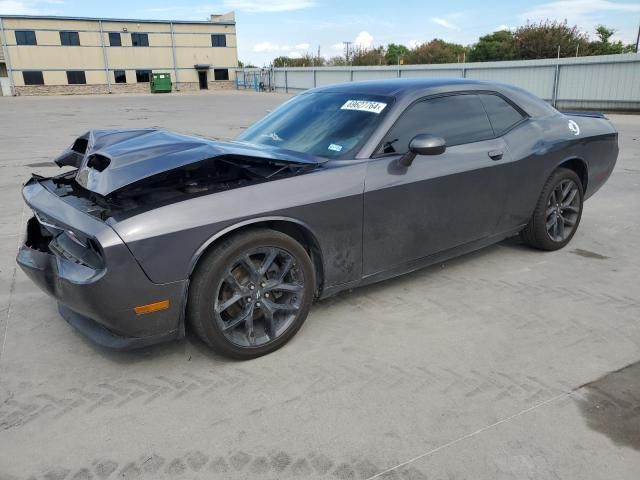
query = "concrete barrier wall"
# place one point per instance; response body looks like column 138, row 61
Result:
column 607, row 82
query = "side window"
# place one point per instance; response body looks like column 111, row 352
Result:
column 501, row 113
column 26, row 37
column 143, row 76
column 69, row 38
column 221, row 74
column 218, row 40
column 456, row 118
column 76, row 77
column 33, row 77
column 120, row 76
column 114, row 39
column 140, row 39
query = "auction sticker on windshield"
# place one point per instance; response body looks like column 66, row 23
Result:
column 364, row 106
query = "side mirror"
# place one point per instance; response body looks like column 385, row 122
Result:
column 423, row 144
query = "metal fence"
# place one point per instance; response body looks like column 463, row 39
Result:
column 607, row 82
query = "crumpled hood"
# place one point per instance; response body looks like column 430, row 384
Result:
column 110, row 159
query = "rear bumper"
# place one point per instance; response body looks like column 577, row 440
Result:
column 97, row 301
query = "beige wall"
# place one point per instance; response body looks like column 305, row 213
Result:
column 63, row 58
column 135, row 27
column 192, row 41
column 48, row 24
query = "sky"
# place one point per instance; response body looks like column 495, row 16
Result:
column 269, row 28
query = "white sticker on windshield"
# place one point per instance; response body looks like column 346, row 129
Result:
column 364, row 106
column 335, row 148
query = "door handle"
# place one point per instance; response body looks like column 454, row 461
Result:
column 496, row 154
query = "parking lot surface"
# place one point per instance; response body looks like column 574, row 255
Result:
column 506, row 363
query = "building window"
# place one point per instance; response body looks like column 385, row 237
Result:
column 26, row 37
column 33, row 78
column 75, row 77
column 114, row 39
column 139, row 39
column 120, row 76
column 221, row 74
column 143, row 76
column 69, row 38
column 218, row 40
column 3, row 70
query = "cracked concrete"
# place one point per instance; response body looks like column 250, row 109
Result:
column 506, row 363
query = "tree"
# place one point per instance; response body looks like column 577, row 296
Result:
column 541, row 40
column 394, row 52
column 282, row 61
column 307, row 60
column 604, row 33
column 367, row 56
column 336, row 62
column 241, row 64
column 603, row 46
column 496, row 46
column 436, row 51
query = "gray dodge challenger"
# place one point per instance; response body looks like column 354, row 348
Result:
column 149, row 230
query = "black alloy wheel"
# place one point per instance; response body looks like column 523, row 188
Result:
column 259, row 296
column 563, row 210
column 557, row 214
column 251, row 293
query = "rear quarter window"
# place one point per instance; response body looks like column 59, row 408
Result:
column 502, row 114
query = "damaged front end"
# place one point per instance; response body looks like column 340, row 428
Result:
column 73, row 252
column 123, row 172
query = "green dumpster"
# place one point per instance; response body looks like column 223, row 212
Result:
column 161, row 83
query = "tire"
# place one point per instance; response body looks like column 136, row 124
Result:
column 541, row 232
column 238, row 303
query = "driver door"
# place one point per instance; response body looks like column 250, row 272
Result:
column 438, row 202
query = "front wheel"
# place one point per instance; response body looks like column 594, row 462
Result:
column 251, row 293
column 558, row 212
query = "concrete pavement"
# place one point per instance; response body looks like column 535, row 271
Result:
column 506, row 363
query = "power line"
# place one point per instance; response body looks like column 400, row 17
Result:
column 347, row 50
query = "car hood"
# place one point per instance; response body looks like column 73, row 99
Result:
column 111, row 159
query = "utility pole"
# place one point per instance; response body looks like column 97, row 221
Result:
column 347, row 50
column 556, row 78
column 638, row 38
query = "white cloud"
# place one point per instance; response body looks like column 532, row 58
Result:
column 272, row 47
column 268, row 6
column 27, row 7
column 499, row 28
column 564, row 8
column 364, row 40
column 338, row 47
column 265, row 47
column 443, row 22
column 414, row 43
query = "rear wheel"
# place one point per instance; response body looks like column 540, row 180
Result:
column 251, row 293
column 558, row 212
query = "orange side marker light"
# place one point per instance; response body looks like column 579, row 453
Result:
column 151, row 307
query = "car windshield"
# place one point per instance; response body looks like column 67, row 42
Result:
column 328, row 125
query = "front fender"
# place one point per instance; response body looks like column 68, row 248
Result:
column 168, row 240
column 240, row 225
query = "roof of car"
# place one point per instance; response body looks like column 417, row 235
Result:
column 400, row 85
column 414, row 87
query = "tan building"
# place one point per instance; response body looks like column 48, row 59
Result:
column 61, row 55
